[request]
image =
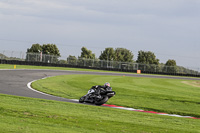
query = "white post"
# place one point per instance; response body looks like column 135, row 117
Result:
column 41, row 56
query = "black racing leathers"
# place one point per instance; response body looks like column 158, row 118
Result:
column 98, row 89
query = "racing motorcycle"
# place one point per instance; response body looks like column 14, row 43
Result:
column 97, row 98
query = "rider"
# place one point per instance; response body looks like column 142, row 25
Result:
column 98, row 88
column 106, row 87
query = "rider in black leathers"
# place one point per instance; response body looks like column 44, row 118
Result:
column 105, row 87
column 96, row 90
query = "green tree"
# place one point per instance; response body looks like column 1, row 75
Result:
column 33, row 53
column 107, row 54
column 123, row 55
column 50, row 49
column 35, row 48
column 148, row 61
column 50, row 53
column 87, row 53
column 2, row 56
column 45, row 49
column 147, row 58
column 62, row 62
column 170, row 63
column 170, row 66
column 72, row 60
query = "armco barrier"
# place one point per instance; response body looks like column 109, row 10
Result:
column 16, row 62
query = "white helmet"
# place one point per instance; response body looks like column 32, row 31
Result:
column 107, row 84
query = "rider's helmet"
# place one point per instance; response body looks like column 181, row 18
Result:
column 107, row 84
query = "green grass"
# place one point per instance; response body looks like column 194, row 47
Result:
column 8, row 66
column 19, row 114
column 161, row 95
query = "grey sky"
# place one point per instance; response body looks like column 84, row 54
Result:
column 169, row 28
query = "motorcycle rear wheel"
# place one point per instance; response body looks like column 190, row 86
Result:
column 104, row 100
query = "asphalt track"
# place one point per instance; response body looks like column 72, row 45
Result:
column 14, row 82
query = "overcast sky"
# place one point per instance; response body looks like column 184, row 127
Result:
column 169, row 28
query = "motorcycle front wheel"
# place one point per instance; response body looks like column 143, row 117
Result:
column 82, row 99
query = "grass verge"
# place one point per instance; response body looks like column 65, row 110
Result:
column 162, row 95
column 19, row 114
column 7, row 66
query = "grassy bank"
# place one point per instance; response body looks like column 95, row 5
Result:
column 20, row 114
column 161, row 95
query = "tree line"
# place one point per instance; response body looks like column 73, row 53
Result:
column 125, row 55
column 109, row 54
column 146, row 60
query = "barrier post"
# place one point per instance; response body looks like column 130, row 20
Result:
column 138, row 71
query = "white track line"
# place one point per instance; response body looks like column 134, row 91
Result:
column 29, row 86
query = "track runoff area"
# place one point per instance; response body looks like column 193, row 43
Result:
column 118, row 107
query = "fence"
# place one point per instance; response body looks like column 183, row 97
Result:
column 12, row 55
column 96, row 63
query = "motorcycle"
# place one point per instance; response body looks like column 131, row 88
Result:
column 97, row 98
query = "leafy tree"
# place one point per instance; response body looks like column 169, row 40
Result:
column 2, row 56
column 170, row 66
column 50, row 49
column 35, row 48
column 72, row 57
column 170, row 63
column 123, row 55
column 33, row 53
column 147, row 58
column 184, row 70
column 62, row 62
column 72, row 60
column 45, row 49
column 52, row 53
column 107, row 54
column 87, row 53
column 148, row 61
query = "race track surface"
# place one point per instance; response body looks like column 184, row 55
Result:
column 14, row 82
